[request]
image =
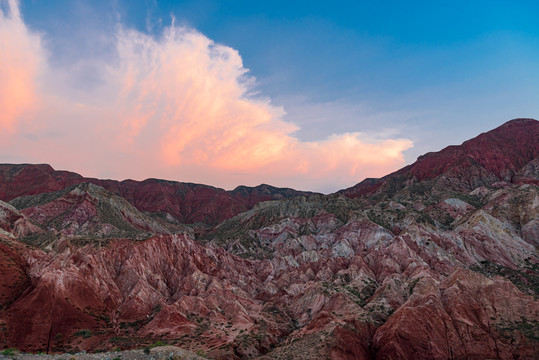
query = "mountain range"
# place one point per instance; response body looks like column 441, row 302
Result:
column 437, row 260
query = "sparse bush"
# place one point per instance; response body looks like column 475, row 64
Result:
column 159, row 343
column 156, row 344
column 84, row 333
column 74, row 350
column 8, row 352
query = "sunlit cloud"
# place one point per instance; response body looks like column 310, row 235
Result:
column 20, row 64
column 177, row 106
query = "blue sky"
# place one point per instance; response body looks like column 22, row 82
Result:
column 434, row 72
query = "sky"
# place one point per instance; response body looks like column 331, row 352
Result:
column 312, row 95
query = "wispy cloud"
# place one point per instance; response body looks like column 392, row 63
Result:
column 177, row 106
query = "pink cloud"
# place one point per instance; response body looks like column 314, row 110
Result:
column 21, row 60
column 176, row 107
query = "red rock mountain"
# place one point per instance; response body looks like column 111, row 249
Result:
column 437, row 263
column 186, row 202
column 497, row 155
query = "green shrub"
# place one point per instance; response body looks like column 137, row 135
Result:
column 159, row 343
column 8, row 352
column 156, row 344
column 84, row 333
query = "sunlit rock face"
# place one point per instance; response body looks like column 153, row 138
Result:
column 435, row 261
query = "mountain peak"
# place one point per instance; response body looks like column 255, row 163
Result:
column 519, row 121
column 496, row 155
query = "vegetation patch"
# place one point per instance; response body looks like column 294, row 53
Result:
column 526, row 281
column 39, row 239
column 474, row 200
column 412, row 285
column 424, row 218
column 529, row 329
column 379, row 219
column 8, row 352
column 84, row 333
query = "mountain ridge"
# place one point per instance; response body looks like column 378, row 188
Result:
column 187, row 202
column 501, row 152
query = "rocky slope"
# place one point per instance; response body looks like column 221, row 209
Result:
column 86, row 213
column 423, row 271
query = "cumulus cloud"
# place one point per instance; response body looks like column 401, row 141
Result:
column 177, row 106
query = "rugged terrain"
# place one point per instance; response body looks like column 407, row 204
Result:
column 435, row 261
